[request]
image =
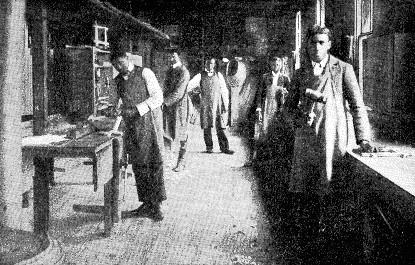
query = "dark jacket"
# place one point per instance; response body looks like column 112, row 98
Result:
column 176, row 113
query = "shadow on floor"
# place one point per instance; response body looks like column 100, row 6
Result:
column 299, row 235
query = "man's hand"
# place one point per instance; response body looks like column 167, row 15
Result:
column 258, row 115
column 315, row 95
column 129, row 113
column 366, row 147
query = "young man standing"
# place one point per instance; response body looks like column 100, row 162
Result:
column 177, row 107
column 214, row 98
column 317, row 107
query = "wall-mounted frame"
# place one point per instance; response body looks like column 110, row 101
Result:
column 366, row 16
column 101, row 36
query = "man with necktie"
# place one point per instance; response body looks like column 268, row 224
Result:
column 323, row 92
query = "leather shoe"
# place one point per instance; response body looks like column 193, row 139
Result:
column 143, row 211
column 228, row 152
column 155, row 213
column 180, row 166
column 209, row 151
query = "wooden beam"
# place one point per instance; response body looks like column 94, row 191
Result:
column 11, row 81
column 40, row 67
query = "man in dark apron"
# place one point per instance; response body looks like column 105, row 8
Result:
column 142, row 98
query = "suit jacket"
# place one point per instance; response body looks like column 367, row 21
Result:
column 321, row 129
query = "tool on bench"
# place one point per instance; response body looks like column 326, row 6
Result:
column 385, row 152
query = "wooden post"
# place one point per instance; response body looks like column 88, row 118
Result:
column 12, row 39
column 40, row 114
column 40, row 67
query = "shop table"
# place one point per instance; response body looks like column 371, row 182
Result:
column 44, row 150
column 383, row 180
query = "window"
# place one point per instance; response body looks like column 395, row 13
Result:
column 366, row 16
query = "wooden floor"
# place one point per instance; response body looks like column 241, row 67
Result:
column 213, row 215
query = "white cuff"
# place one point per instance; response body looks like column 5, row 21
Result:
column 142, row 108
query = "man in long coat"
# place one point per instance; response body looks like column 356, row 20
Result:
column 321, row 94
column 214, row 101
column 142, row 98
column 177, row 106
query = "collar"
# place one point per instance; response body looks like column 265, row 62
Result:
column 176, row 65
column 209, row 73
column 274, row 74
column 322, row 63
column 130, row 69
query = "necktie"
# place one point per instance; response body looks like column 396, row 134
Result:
column 318, row 69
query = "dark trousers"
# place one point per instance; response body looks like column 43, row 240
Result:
column 150, row 183
column 222, row 139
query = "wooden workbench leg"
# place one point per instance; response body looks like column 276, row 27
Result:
column 108, row 223
column 51, row 164
column 95, row 172
column 115, row 181
column 41, row 195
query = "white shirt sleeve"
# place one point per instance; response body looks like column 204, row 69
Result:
column 156, row 94
column 224, row 91
column 194, row 83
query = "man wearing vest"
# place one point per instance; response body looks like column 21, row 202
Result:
column 322, row 93
column 214, row 101
column 142, row 98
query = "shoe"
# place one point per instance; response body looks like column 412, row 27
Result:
column 180, row 166
column 209, row 151
column 228, row 152
column 143, row 211
column 155, row 213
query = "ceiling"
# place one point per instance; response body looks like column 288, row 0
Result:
column 187, row 6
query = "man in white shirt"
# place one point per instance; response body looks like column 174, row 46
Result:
column 214, row 101
column 142, row 98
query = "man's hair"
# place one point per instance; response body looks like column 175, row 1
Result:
column 118, row 51
column 210, row 57
column 317, row 29
column 274, row 58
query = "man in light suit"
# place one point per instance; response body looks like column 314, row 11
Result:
column 321, row 94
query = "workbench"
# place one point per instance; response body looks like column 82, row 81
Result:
column 90, row 146
column 385, row 185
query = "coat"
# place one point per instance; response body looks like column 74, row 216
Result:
column 178, row 108
column 236, row 74
column 322, row 131
column 143, row 135
column 271, row 96
column 213, row 95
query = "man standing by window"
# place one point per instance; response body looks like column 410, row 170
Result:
column 317, row 107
